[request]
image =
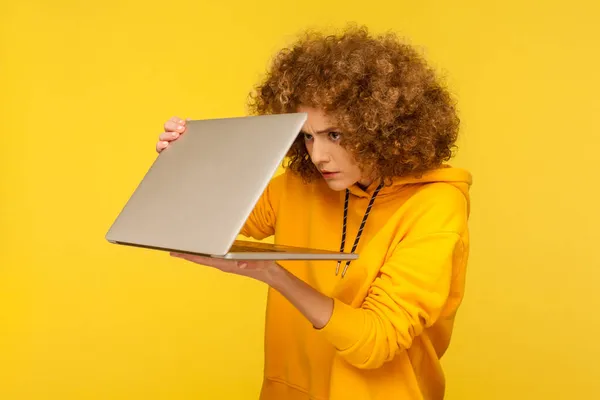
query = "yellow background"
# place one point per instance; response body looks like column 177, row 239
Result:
column 85, row 88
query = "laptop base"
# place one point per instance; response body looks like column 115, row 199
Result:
column 254, row 251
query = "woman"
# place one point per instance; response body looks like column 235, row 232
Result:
column 367, row 174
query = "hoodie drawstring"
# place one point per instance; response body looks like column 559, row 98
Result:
column 362, row 225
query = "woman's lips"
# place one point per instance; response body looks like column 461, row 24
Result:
column 329, row 174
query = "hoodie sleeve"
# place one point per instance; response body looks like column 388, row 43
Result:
column 261, row 222
column 409, row 292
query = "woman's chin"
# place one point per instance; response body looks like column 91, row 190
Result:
column 338, row 184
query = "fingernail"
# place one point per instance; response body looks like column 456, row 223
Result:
column 181, row 121
column 180, row 127
column 174, row 134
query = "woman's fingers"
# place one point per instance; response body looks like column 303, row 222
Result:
column 160, row 146
column 175, row 124
column 174, row 127
column 168, row 136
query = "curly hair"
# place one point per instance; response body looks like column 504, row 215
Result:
column 395, row 117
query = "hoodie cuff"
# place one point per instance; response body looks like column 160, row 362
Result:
column 345, row 327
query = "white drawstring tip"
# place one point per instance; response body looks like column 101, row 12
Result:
column 345, row 269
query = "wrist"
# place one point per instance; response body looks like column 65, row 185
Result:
column 275, row 275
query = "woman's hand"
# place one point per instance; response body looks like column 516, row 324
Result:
column 260, row 270
column 174, row 128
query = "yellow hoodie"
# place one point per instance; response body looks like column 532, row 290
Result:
column 394, row 309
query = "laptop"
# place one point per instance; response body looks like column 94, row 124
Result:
column 198, row 193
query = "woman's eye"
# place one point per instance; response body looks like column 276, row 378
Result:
column 307, row 136
column 335, row 136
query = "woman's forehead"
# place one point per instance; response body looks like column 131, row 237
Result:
column 317, row 119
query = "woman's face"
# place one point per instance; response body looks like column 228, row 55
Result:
column 322, row 139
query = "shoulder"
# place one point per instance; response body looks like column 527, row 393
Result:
column 285, row 183
column 441, row 195
column 281, row 179
column 292, row 182
column 438, row 207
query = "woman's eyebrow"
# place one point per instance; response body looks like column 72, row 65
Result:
column 326, row 130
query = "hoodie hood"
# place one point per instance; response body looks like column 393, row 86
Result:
column 457, row 177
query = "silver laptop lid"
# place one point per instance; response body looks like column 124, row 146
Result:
column 199, row 191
